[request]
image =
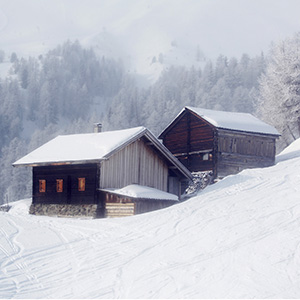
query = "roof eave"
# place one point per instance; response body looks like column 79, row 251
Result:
column 135, row 197
column 57, row 163
column 125, row 144
column 172, row 159
column 169, row 155
column 172, row 123
column 275, row 135
column 145, row 132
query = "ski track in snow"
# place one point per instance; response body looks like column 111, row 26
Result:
column 13, row 263
column 237, row 239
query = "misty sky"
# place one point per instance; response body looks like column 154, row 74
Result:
column 229, row 27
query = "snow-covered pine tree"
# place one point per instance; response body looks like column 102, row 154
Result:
column 280, row 89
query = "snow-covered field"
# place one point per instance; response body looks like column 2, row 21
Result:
column 239, row 238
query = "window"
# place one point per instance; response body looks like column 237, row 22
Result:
column 59, row 185
column 81, row 184
column 42, row 185
column 205, row 156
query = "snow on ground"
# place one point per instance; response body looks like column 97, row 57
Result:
column 239, row 238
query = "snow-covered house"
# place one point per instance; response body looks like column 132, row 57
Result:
column 104, row 174
column 218, row 141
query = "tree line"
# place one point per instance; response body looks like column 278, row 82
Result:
column 70, row 88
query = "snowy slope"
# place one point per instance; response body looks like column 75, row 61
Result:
column 239, row 238
column 180, row 32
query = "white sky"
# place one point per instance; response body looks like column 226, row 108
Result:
column 144, row 27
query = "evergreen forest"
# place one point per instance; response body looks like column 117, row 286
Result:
column 70, row 88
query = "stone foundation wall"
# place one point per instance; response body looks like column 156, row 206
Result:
column 66, row 210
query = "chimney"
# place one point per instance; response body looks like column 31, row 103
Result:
column 97, row 127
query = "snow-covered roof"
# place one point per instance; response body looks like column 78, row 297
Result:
column 80, row 147
column 232, row 120
column 145, row 192
column 92, row 148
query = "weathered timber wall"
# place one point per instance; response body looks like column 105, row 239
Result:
column 115, row 210
column 246, row 144
column 176, row 139
column 190, row 139
column 121, row 206
column 230, row 163
column 69, row 174
column 201, row 134
column 189, row 134
column 239, row 151
column 201, row 147
column 137, row 163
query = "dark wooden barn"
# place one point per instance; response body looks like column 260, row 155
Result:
column 218, row 141
column 71, row 172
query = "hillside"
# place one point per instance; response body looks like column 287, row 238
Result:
column 239, row 238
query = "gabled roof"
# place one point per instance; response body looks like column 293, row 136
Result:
column 93, row 148
column 228, row 120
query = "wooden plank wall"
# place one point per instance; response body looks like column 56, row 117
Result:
column 189, row 139
column 189, row 134
column 137, row 163
column 176, row 139
column 239, row 151
column 246, row 144
column 113, row 210
column 121, row 206
column 69, row 174
column 202, row 134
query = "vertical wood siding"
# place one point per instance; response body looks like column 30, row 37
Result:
column 201, row 134
column 176, row 139
column 189, row 139
column 137, row 163
column 189, row 134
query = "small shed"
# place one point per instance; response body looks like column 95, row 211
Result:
column 134, row 199
column 70, row 172
column 218, row 141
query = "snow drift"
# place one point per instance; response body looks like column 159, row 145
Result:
column 239, row 238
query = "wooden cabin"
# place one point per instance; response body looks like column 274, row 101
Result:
column 76, row 175
column 218, row 141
